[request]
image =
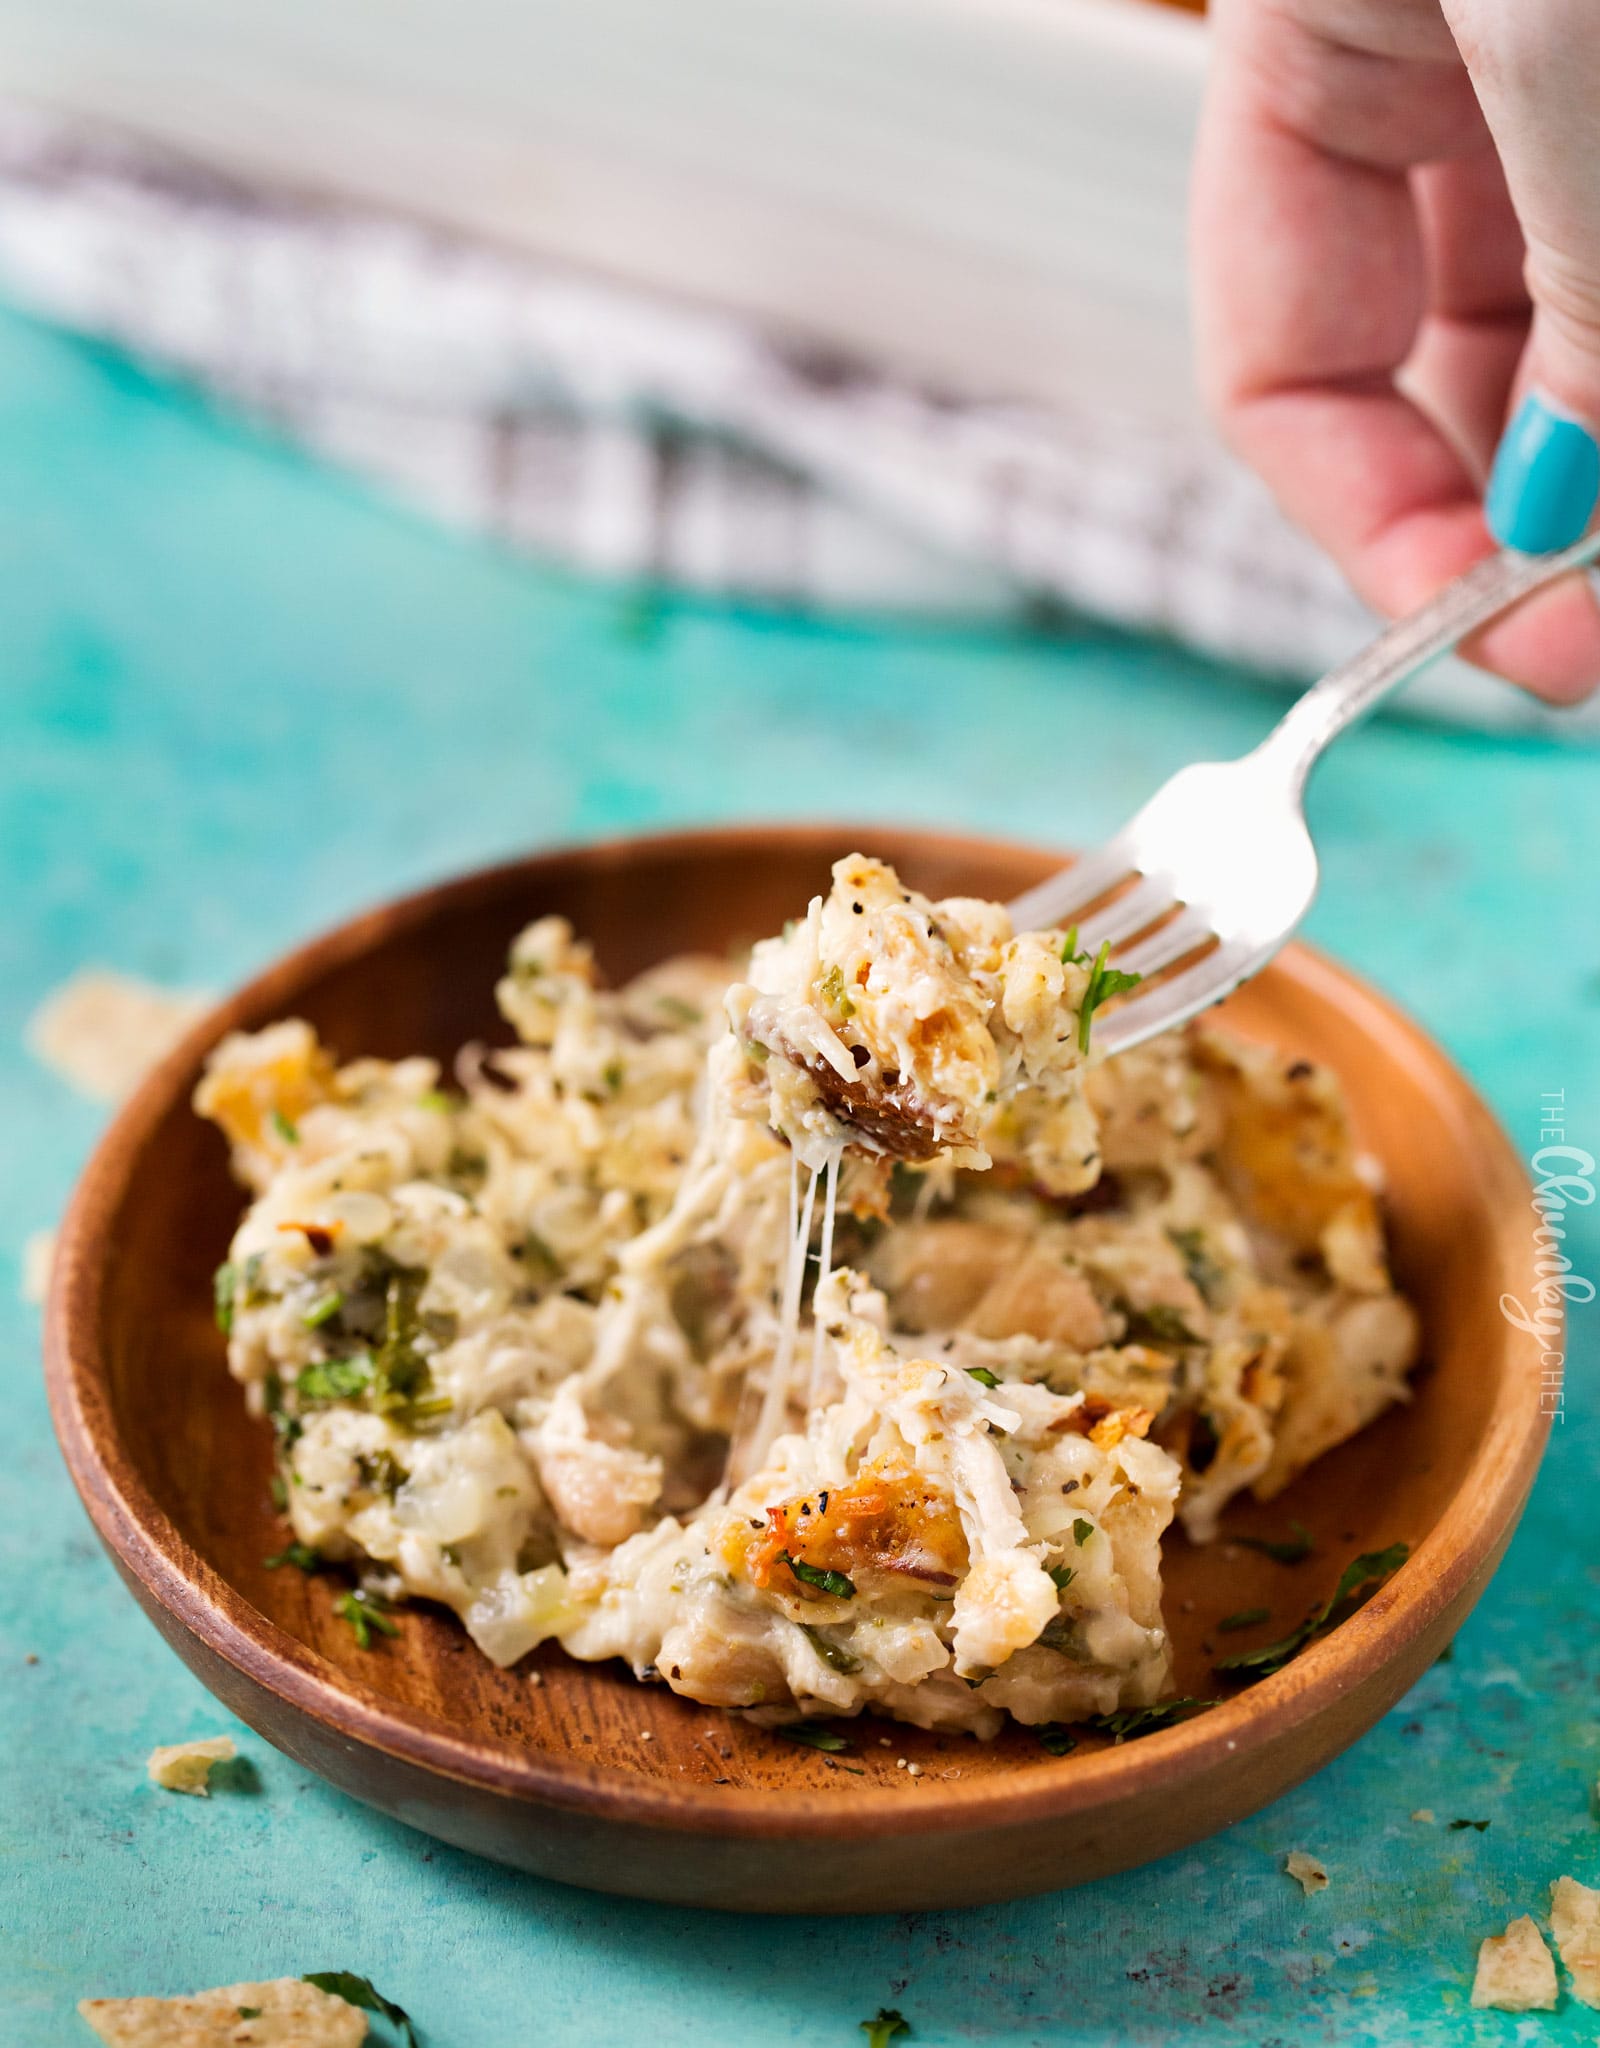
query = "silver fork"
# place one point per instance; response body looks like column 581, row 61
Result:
column 1215, row 872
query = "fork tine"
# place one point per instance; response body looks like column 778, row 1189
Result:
column 1170, row 1003
column 1140, row 906
column 1065, row 897
column 1190, row 928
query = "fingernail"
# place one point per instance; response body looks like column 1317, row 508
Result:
column 1545, row 480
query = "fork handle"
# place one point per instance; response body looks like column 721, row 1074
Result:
column 1349, row 691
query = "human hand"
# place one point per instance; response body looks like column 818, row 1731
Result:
column 1397, row 248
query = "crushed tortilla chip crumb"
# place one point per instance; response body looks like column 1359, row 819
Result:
column 285, row 2013
column 185, row 1766
column 38, row 1256
column 102, row 1033
column 1575, row 1923
column 1516, row 1972
column 1306, row 1871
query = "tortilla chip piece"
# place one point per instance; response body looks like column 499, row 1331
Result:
column 1516, row 1972
column 1306, row 1871
column 185, row 1766
column 283, row 2014
column 1575, row 1923
column 103, row 1032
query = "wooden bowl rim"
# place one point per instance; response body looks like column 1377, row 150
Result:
column 142, row 1538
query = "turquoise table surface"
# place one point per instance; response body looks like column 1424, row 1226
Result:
column 239, row 699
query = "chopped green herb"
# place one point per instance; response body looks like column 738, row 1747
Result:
column 1056, row 1740
column 539, row 1260
column 833, row 991
column 333, row 1379
column 1294, row 1549
column 224, row 1285
column 813, row 1575
column 1061, row 1574
column 358, row 1991
column 248, row 2012
column 1070, row 956
column 813, row 1738
column 1158, row 1324
column 465, row 1165
column 611, row 1074
column 323, row 1310
column 1370, row 1569
column 831, row 1653
column 1146, row 1720
column 285, row 1427
column 1457, row 1825
column 1205, row 1274
column 1247, row 1617
column 300, row 1555
column 381, row 1471
column 1104, row 983
column 279, row 1492
column 364, row 1614
column 982, row 1375
column 884, row 2027
column 678, row 1010
column 435, row 1098
column 1082, row 1531
column 285, row 1130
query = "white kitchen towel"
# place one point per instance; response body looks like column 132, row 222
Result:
column 646, row 440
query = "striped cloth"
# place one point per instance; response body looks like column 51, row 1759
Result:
column 640, row 439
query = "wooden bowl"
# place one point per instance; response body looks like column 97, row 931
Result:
column 590, row 1777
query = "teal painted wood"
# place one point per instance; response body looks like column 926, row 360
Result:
column 238, row 700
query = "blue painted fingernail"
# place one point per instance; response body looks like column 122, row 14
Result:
column 1545, row 480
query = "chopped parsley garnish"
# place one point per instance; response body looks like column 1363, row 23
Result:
column 540, row 1261
column 1104, row 983
column 833, row 991
column 1457, row 1825
column 814, row 1738
column 334, row 1379
column 1205, row 1274
column 364, row 1614
column 1247, row 1617
column 224, row 1286
column 1070, row 956
column 278, row 1492
column 434, row 1098
column 611, row 1074
column 678, row 1010
column 248, row 2012
column 323, row 1310
column 1158, row 1324
column 814, row 1575
column 359, row 1991
column 831, row 1653
column 383, row 1472
column 1061, row 1575
column 285, row 1130
column 1294, row 1549
column 1368, row 1570
column 982, row 1375
column 1082, row 1531
column 1055, row 1740
column 886, row 2025
column 300, row 1555
column 1134, row 1721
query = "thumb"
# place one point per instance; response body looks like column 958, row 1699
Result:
column 1535, row 66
